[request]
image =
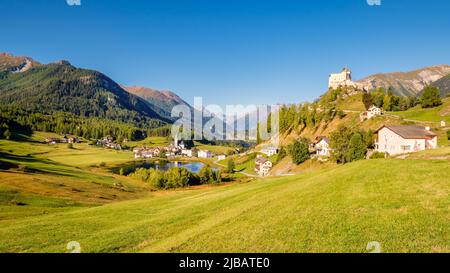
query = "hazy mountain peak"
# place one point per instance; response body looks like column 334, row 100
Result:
column 406, row 83
column 160, row 100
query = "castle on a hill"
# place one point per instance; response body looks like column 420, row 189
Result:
column 343, row 79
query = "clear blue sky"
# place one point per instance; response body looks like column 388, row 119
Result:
column 229, row 51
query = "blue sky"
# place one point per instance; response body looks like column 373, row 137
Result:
column 230, row 52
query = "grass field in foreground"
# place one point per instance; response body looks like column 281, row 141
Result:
column 403, row 204
column 41, row 179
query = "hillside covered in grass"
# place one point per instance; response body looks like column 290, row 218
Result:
column 437, row 114
column 334, row 210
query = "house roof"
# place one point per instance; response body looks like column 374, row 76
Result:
column 320, row 138
column 410, row 131
column 261, row 160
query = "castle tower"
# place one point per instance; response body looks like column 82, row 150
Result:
column 341, row 79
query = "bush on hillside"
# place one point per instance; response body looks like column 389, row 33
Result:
column 377, row 155
column 176, row 177
column 231, row 166
column 357, row 148
column 299, row 151
column 431, row 97
column 349, row 145
column 209, row 176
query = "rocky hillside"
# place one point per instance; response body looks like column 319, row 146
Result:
column 406, row 83
column 161, row 101
column 15, row 64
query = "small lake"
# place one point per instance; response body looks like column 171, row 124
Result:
column 130, row 167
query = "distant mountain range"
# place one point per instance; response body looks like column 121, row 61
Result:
column 162, row 102
column 59, row 86
column 408, row 83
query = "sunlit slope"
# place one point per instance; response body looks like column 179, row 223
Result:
column 403, row 204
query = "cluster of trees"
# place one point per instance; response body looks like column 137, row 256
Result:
column 388, row 101
column 66, row 123
column 4, row 131
column 299, row 151
column 350, row 144
column 8, row 126
column 231, row 166
column 163, row 131
column 305, row 115
column 177, row 177
column 431, row 97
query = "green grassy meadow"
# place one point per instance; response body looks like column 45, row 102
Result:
column 436, row 114
column 334, row 210
column 39, row 179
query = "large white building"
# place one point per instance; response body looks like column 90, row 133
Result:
column 343, row 79
column 269, row 150
column 403, row 139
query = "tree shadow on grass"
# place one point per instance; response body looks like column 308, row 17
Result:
column 22, row 163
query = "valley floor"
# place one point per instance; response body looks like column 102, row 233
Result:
column 402, row 204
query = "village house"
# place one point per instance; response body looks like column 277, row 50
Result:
column 269, row 151
column 71, row 139
column 322, row 146
column 221, row 157
column 204, row 154
column 172, row 150
column 146, row 152
column 52, row 140
column 263, row 166
column 113, row 146
column 371, row 113
column 403, row 139
column 443, row 123
column 187, row 152
column 108, row 142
